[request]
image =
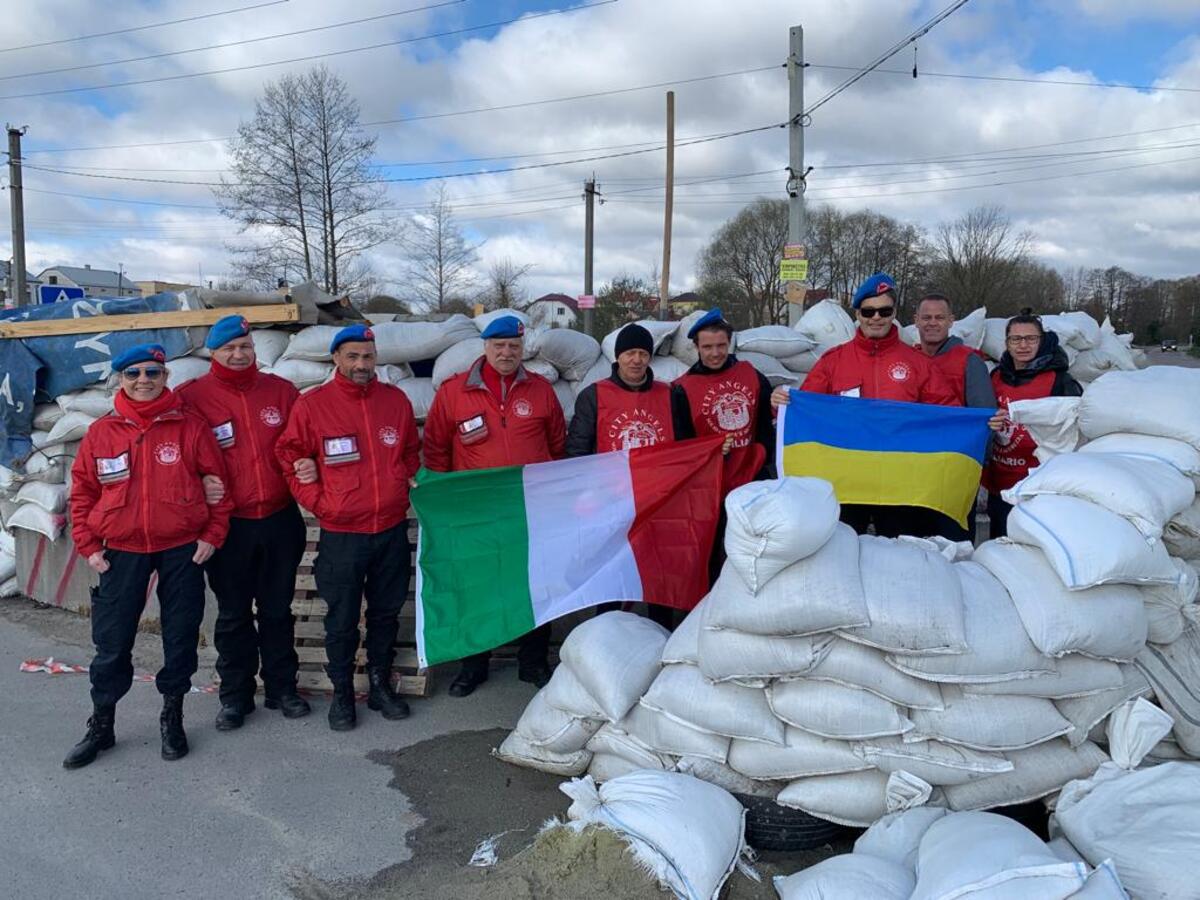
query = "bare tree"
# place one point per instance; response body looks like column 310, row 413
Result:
column 746, row 251
column 504, row 290
column 978, row 257
column 440, row 269
column 302, row 189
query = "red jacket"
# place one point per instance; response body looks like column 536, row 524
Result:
column 139, row 490
column 1013, row 449
column 883, row 369
column 468, row 428
column 364, row 440
column 247, row 420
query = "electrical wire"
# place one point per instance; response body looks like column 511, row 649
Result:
column 1015, row 79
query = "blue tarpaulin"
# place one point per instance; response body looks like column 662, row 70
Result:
column 46, row 367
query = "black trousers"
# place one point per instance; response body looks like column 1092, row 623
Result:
column 889, row 521
column 117, row 606
column 533, row 647
column 348, row 568
column 998, row 512
column 254, row 578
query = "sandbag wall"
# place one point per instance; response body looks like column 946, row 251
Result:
column 851, row 676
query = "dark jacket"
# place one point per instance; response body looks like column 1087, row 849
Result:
column 1050, row 358
column 581, row 435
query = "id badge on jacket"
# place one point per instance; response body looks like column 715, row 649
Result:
column 855, row 391
column 340, row 450
column 473, row 430
column 113, row 469
column 224, row 434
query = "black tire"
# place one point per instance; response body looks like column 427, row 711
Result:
column 770, row 826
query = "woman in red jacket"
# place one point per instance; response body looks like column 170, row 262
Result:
column 138, row 507
column 1033, row 366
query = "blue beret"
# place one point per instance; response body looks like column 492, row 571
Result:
column 139, row 353
column 877, row 284
column 351, row 333
column 708, row 320
column 504, row 327
column 226, row 330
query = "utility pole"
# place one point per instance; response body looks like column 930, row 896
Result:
column 797, row 222
column 670, row 204
column 17, row 203
column 589, row 249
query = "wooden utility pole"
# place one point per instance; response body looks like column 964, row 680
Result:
column 589, row 248
column 797, row 224
column 17, row 204
column 663, row 294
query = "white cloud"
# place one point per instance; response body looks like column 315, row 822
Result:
column 1124, row 11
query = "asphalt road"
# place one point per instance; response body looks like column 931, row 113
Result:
column 1173, row 358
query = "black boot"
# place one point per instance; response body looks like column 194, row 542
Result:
column 170, row 723
column 233, row 714
column 99, row 737
column 382, row 698
column 470, row 676
column 342, row 716
column 291, row 704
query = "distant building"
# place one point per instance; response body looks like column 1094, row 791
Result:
column 553, row 311
column 150, row 288
column 95, row 282
column 684, row 304
column 7, row 285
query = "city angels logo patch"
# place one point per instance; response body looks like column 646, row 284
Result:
column 271, row 416
column 523, row 408
column 899, row 372
column 167, row 453
column 389, row 436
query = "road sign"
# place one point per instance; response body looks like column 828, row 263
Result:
column 793, row 270
column 586, row 301
column 795, row 251
column 57, row 293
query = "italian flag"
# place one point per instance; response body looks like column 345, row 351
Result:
column 502, row 551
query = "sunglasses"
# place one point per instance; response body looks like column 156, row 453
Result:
column 152, row 372
column 884, row 312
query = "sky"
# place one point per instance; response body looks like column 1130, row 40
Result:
column 1099, row 175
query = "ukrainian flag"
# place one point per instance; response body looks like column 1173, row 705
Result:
column 886, row 453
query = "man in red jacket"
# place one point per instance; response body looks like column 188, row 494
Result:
column 254, row 574
column 138, row 507
column 497, row 414
column 876, row 364
column 349, row 453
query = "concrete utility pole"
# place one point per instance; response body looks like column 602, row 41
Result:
column 17, row 203
column 589, row 249
column 670, row 205
column 797, row 221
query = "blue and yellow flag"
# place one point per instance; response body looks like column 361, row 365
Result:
column 886, row 453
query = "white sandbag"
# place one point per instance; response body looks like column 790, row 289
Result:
column 815, row 594
column 1073, row 676
column 724, row 777
column 50, row 497
column 1146, row 492
column 914, row 599
column 857, row 799
column 826, row 323
column 34, row 518
column 660, row 332
column 773, row 524
column 8, row 566
column 395, row 342
column 769, row 367
column 849, row 875
column 1087, row 545
column 688, row 833
column 607, row 766
column 457, row 358
column 615, row 656
column 1088, row 329
column 71, row 427
column 269, row 345
column 835, row 710
column 1108, row 622
column 683, row 348
column 1174, row 674
column 1052, row 422
column 1110, row 356
column 484, row 319
column 559, row 732
column 933, row 761
column 96, row 402
column 683, row 693
column 564, row 692
column 728, row 655
column 1169, row 606
column 302, row 372
column 776, row 341
column 910, row 334
column 1160, row 400
column 1037, row 772
column 683, row 646
column 45, row 415
column 1134, row 729
column 420, row 393
column 531, row 345
column 668, row 736
column 984, row 855
column 801, row 756
column 517, row 750
column 1085, row 713
column 565, row 392
column 801, row 363
column 897, row 836
column 860, row 666
column 1182, row 534
column 1181, row 455
column 970, row 328
column 998, row 647
column 611, row 741
column 10, row 588
column 600, row 370
column 8, row 544
column 994, row 342
column 184, row 369
column 667, row 368
column 47, row 467
column 543, row 368
column 393, row 374
column 984, row 722
column 1147, row 822
column 571, row 352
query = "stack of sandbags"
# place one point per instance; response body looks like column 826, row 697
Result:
column 929, row 854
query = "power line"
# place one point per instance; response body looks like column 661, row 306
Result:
column 1015, row 79
column 331, row 53
column 270, row 37
column 86, row 37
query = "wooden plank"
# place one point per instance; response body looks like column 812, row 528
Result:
column 187, row 318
